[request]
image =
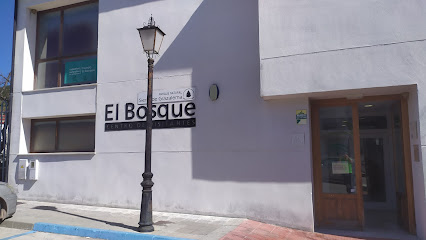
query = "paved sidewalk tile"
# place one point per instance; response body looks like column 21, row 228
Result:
column 252, row 230
column 117, row 219
column 165, row 224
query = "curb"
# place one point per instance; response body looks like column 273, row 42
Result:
column 17, row 225
column 97, row 233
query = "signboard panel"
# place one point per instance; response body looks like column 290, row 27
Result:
column 170, row 109
column 164, row 96
column 82, row 71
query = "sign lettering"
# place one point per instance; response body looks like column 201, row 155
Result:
column 164, row 96
column 169, row 114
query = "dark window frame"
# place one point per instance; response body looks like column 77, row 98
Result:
column 56, row 120
column 60, row 58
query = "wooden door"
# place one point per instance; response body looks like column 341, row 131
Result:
column 337, row 165
column 339, row 209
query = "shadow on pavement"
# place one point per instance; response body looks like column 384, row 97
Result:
column 54, row 209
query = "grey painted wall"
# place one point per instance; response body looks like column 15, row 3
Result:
column 240, row 160
column 337, row 48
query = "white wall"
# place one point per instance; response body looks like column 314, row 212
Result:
column 66, row 101
column 336, row 45
column 419, row 171
column 328, row 48
column 240, row 160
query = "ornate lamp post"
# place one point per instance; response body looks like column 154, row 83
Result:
column 151, row 37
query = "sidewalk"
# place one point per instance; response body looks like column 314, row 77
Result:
column 166, row 224
column 173, row 225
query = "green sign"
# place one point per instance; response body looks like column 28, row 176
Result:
column 301, row 117
column 83, row 71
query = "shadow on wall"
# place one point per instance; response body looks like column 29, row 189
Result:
column 27, row 184
column 116, row 5
column 220, row 43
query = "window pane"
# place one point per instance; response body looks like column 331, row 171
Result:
column 48, row 35
column 76, row 135
column 79, row 71
column 337, row 150
column 43, row 136
column 373, row 122
column 81, row 29
column 47, row 75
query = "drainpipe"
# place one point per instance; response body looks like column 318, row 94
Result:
column 12, row 79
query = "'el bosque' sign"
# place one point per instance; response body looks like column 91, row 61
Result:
column 170, row 109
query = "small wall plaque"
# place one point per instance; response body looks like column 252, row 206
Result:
column 301, row 116
column 214, row 92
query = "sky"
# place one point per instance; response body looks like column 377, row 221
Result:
column 6, row 35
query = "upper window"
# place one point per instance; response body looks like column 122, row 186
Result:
column 67, row 42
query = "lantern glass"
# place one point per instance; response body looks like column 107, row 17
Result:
column 148, row 39
column 159, row 35
column 151, row 37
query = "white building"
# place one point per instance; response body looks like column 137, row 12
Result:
column 358, row 68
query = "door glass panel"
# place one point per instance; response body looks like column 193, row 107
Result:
column 398, row 148
column 372, row 122
column 373, row 169
column 337, row 150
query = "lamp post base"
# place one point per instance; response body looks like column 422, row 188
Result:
column 148, row 228
column 145, row 219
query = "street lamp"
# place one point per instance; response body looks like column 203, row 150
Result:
column 152, row 38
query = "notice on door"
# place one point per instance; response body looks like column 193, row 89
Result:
column 340, row 168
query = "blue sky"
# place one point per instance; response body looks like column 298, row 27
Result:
column 6, row 35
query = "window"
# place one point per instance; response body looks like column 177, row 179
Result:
column 63, row 135
column 66, row 46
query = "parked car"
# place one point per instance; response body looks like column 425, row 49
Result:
column 8, row 201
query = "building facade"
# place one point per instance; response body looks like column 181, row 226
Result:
column 318, row 122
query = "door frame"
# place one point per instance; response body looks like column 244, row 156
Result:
column 316, row 153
